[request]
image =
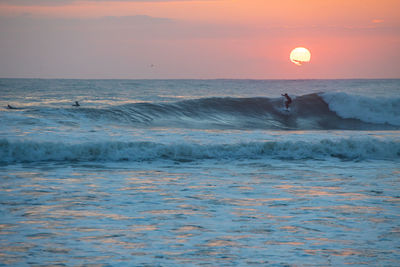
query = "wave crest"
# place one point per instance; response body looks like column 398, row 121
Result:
column 350, row 149
column 371, row 110
column 325, row 111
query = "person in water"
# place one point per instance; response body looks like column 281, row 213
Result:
column 10, row 107
column 76, row 104
column 288, row 100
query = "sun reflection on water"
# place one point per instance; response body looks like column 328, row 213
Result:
column 131, row 215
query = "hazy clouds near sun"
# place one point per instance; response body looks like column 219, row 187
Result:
column 63, row 2
column 196, row 39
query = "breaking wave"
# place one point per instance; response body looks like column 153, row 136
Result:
column 347, row 149
column 325, row 111
column 378, row 110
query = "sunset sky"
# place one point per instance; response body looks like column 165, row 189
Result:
column 199, row 39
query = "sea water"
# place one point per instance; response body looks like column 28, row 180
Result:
column 199, row 173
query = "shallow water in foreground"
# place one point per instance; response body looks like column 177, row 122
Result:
column 208, row 212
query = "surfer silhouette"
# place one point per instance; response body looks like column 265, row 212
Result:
column 288, row 100
column 10, row 107
column 76, row 104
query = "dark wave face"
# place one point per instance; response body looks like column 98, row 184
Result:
column 307, row 112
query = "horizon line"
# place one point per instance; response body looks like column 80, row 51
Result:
column 255, row 79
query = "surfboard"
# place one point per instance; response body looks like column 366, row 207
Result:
column 283, row 110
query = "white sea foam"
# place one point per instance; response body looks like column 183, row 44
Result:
column 362, row 148
column 367, row 109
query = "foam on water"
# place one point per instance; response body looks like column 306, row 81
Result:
column 359, row 149
column 367, row 109
column 193, row 172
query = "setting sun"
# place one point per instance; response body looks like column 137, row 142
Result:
column 300, row 55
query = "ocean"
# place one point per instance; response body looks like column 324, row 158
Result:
column 199, row 173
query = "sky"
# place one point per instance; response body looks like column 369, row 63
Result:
column 199, row 39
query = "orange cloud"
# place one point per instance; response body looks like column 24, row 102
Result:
column 377, row 20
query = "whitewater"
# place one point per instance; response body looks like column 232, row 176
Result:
column 199, row 172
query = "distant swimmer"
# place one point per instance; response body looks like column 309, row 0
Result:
column 10, row 107
column 76, row 104
column 288, row 100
